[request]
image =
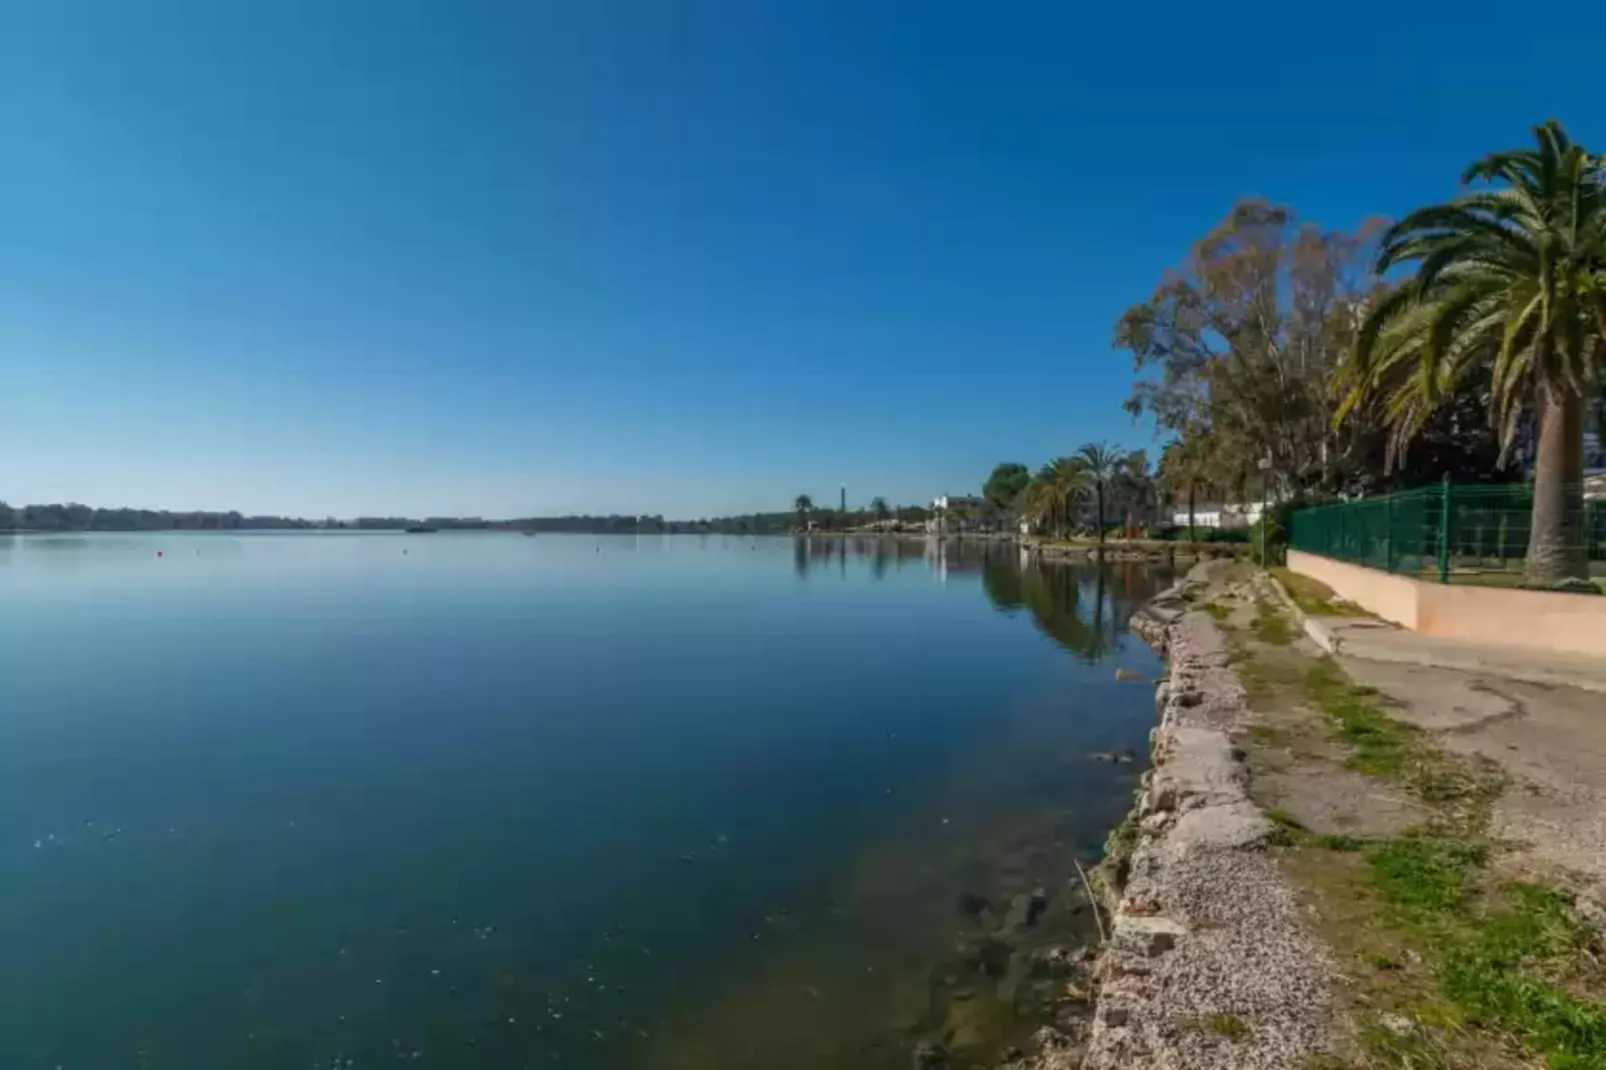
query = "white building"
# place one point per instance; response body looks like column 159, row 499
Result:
column 1225, row 515
column 957, row 512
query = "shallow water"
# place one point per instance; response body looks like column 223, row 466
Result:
column 484, row 800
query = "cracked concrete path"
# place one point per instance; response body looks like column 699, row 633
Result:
column 1375, row 640
column 1550, row 739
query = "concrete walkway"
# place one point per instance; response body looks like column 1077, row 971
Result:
column 1369, row 639
column 1540, row 717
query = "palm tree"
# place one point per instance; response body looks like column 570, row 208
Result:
column 1513, row 276
column 803, row 505
column 1099, row 463
column 1047, row 498
column 878, row 505
column 1071, row 483
column 1037, row 500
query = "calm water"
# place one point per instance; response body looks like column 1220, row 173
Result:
column 493, row 801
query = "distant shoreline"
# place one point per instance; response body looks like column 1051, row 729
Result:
column 73, row 517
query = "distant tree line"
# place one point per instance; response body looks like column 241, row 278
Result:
column 74, row 517
column 83, row 518
column 805, row 512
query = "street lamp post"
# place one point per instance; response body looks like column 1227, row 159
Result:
column 1265, row 469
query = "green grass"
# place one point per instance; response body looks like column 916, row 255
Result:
column 1313, row 596
column 1272, row 627
column 1217, row 610
column 1382, row 745
column 1230, row 1026
column 1424, row 877
column 1497, row 957
column 1389, row 749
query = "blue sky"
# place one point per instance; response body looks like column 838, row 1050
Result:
column 684, row 258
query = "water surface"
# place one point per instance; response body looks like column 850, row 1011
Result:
column 484, row 800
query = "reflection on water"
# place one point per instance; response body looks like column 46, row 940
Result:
column 1083, row 608
column 282, row 800
column 948, row 924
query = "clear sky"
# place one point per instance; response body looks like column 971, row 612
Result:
column 668, row 256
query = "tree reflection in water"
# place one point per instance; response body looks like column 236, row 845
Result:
column 1084, row 607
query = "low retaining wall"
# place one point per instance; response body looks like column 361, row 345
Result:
column 1533, row 620
column 1394, row 598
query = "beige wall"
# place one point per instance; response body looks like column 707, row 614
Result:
column 1530, row 619
column 1391, row 597
column 1572, row 622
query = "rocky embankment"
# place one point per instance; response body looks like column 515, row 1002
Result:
column 1207, row 964
column 1150, row 551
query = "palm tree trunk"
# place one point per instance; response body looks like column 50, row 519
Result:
column 1555, row 545
column 1099, row 493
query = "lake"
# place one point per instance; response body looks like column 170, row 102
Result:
column 484, row 800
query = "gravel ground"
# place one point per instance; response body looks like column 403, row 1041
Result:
column 1208, row 964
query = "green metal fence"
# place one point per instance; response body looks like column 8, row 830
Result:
column 1455, row 534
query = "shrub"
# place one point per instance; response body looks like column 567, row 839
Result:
column 1238, row 535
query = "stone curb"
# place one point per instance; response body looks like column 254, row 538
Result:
column 1203, row 927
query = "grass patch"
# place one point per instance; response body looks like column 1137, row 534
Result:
column 1499, row 956
column 1217, row 610
column 1272, row 627
column 1454, row 967
column 1383, row 746
column 1389, row 749
column 1283, row 819
column 1286, row 829
column 1266, row 735
column 1313, row 596
column 1230, row 1026
column 1424, row 877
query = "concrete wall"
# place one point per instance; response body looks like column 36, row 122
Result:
column 1391, row 597
column 1534, row 619
column 1530, row 619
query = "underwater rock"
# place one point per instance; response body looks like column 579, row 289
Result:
column 985, row 954
column 971, row 905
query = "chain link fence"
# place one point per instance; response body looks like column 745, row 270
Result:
column 1454, row 534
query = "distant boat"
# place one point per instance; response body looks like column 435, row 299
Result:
column 421, row 530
